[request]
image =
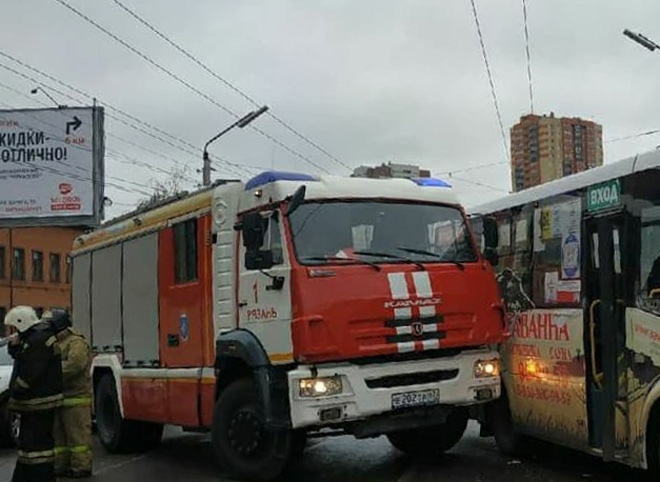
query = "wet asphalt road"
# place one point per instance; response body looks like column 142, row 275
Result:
column 185, row 457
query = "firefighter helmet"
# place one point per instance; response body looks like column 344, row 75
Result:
column 22, row 318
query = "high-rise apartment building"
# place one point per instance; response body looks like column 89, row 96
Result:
column 544, row 148
column 391, row 170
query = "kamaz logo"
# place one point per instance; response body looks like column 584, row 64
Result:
column 411, row 303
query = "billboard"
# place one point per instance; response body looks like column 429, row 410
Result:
column 51, row 167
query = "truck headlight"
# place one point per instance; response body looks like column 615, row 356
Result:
column 319, row 387
column 487, row 368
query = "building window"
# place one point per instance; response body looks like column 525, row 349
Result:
column 18, row 264
column 37, row 266
column 185, row 251
column 55, row 268
column 69, row 269
column 3, row 263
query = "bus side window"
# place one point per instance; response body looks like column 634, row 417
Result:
column 650, row 255
column 556, row 264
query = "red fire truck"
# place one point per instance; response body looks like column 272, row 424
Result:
column 288, row 305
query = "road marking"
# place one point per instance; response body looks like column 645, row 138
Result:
column 317, row 445
column 120, row 464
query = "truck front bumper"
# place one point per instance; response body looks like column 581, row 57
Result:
column 376, row 389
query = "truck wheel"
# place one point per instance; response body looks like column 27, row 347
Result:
column 243, row 444
column 119, row 435
column 508, row 441
column 431, row 441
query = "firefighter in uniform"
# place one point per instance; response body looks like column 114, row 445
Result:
column 73, row 420
column 35, row 393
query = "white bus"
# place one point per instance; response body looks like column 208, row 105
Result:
column 579, row 270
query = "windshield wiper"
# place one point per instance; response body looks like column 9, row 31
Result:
column 339, row 258
column 390, row 256
column 431, row 253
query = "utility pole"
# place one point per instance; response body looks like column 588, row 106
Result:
column 10, row 255
column 240, row 123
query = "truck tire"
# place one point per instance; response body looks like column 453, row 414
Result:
column 508, row 441
column 118, row 435
column 431, row 441
column 244, row 446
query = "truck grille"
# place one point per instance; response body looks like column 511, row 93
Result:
column 412, row 379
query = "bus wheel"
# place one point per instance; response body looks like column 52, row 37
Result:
column 653, row 445
column 509, row 442
column 431, row 441
column 245, row 447
column 117, row 434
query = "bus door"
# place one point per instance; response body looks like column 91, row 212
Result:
column 604, row 258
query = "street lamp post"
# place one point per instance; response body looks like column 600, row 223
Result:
column 36, row 90
column 240, row 123
column 642, row 40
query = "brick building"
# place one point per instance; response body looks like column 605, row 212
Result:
column 544, row 148
column 35, row 267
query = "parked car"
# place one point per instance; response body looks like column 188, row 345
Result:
column 9, row 423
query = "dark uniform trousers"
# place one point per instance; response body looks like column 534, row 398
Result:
column 35, row 393
column 36, row 448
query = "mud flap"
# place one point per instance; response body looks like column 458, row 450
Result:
column 485, row 430
column 273, row 389
column 282, row 443
column 480, row 413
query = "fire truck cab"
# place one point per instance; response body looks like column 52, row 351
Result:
column 286, row 305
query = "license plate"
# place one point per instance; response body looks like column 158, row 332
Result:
column 416, row 399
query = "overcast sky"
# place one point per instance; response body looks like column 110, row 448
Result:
column 369, row 80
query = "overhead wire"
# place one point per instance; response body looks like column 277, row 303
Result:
column 633, row 136
column 480, row 184
column 182, row 145
column 116, row 155
column 490, row 78
column 474, row 168
column 56, row 138
column 185, row 83
column 228, row 84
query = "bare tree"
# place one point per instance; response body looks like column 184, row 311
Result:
column 166, row 188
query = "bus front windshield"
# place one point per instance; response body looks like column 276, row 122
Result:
column 380, row 232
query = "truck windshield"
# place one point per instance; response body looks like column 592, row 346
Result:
column 380, row 232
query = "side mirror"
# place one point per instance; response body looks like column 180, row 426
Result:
column 258, row 259
column 490, row 254
column 253, row 226
column 297, row 199
column 491, row 233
